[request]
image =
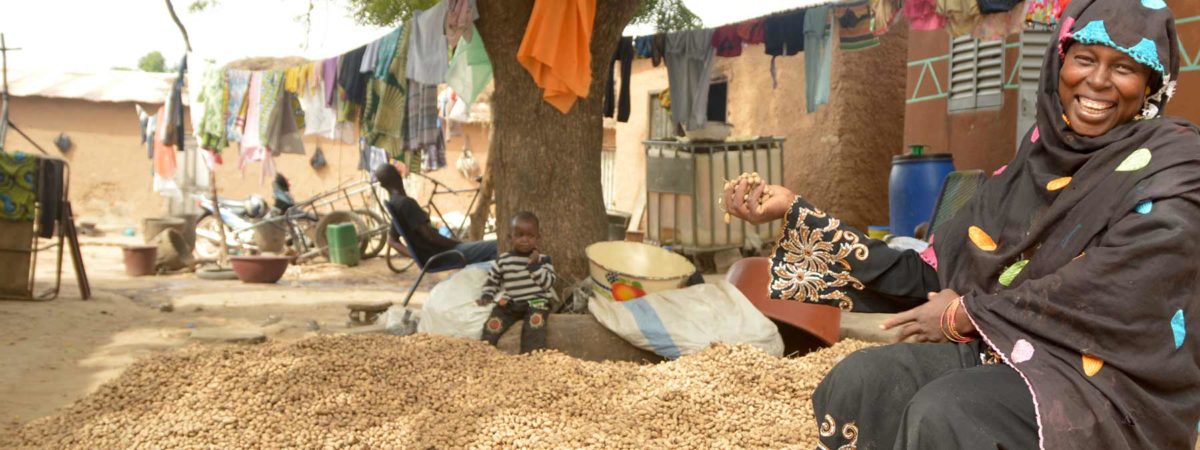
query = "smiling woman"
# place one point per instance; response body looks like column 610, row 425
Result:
column 1058, row 308
column 1101, row 87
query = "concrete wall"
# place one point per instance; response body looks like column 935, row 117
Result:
column 838, row 157
column 111, row 175
column 986, row 138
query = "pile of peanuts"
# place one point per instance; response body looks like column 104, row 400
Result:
column 426, row 391
column 752, row 182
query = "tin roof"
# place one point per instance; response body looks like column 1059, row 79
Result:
column 103, row 86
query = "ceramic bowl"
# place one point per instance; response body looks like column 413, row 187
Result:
column 623, row 270
column 260, row 269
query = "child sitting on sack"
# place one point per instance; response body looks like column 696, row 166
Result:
column 526, row 277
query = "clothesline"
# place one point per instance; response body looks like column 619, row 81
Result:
column 689, row 54
column 386, row 90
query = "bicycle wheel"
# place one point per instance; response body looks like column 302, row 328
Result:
column 208, row 237
column 341, row 217
column 376, row 236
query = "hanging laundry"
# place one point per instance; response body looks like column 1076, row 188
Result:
column 428, row 54
column 818, row 59
column 999, row 6
column 252, row 144
column 270, row 94
column 369, row 56
column 318, row 118
column 961, row 16
column 214, row 99
column 329, row 70
column 752, row 31
column 556, row 49
column 783, row 34
column 623, row 54
column 164, row 159
column 886, row 13
column 999, row 25
column 658, row 49
column 18, row 175
column 727, row 41
column 148, row 131
column 1046, row 12
column 422, row 116
column 470, row 70
column 286, row 126
column 923, row 16
column 315, row 83
column 690, row 57
column 460, row 17
column 387, row 50
column 176, row 111
column 386, row 121
column 854, row 23
column 350, row 77
column 643, row 45
column 237, row 82
column 291, row 79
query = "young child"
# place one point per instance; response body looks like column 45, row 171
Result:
column 526, row 277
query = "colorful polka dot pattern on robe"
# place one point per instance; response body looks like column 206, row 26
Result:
column 981, row 239
column 1178, row 328
column 1058, row 183
column 1154, row 4
column 1010, row 273
column 1022, row 351
column 1136, row 161
column 1144, row 207
column 1092, row 364
column 1037, row 135
column 1000, row 170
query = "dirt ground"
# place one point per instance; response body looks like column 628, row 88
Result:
column 52, row 353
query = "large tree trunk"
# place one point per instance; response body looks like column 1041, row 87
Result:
column 540, row 159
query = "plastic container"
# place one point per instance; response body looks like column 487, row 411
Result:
column 343, row 244
column 685, row 181
column 140, row 259
column 913, row 188
column 877, row 231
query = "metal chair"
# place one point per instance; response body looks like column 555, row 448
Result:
column 441, row 262
column 958, row 189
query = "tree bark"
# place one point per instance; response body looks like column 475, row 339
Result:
column 540, row 159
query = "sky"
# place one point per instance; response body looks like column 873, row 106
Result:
column 88, row 35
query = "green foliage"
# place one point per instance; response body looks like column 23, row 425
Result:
column 386, row 12
column 666, row 15
column 152, row 62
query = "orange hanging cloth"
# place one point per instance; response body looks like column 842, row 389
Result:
column 556, row 49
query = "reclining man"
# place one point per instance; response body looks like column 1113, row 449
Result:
column 423, row 237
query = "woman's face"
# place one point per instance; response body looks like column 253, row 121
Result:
column 1100, row 88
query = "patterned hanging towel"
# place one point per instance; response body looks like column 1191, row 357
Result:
column 856, row 21
column 17, row 174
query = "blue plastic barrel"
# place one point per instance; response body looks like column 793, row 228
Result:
column 913, row 189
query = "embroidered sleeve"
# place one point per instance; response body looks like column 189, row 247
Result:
column 812, row 260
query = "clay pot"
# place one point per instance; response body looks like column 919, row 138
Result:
column 140, row 259
column 804, row 326
column 260, row 269
column 152, row 226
